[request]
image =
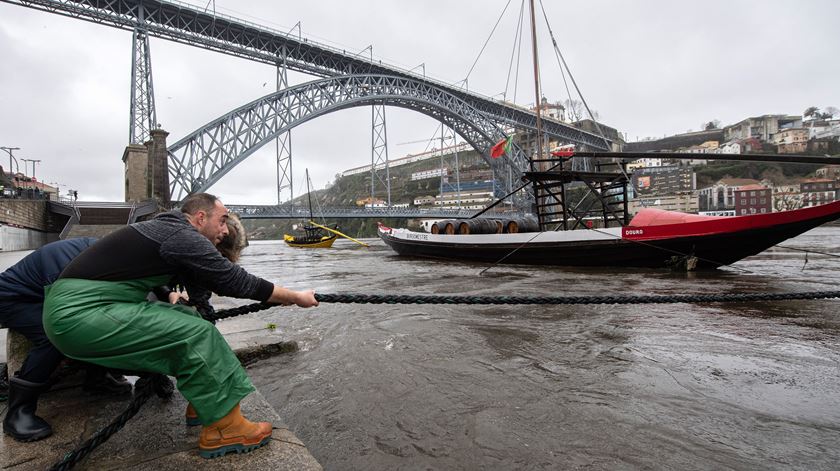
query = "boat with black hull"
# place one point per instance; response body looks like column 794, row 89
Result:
column 654, row 238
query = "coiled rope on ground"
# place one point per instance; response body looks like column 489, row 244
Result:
column 162, row 386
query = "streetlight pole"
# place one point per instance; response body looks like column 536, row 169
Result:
column 57, row 190
column 34, row 161
column 12, row 157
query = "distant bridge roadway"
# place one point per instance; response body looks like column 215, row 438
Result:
column 286, row 211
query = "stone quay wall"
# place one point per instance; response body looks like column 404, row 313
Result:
column 26, row 224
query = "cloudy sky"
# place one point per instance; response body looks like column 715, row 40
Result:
column 648, row 67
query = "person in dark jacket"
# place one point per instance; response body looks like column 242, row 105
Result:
column 21, row 310
column 198, row 297
column 97, row 312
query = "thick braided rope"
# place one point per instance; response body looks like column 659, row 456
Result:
column 653, row 299
column 144, row 388
column 449, row 299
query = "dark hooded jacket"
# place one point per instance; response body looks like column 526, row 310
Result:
column 167, row 245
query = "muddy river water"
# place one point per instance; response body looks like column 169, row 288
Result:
column 680, row 386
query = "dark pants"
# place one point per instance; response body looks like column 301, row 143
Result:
column 26, row 318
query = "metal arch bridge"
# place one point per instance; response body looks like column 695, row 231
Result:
column 203, row 157
column 190, row 25
column 287, row 211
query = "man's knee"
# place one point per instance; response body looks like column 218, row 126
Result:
column 40, row 340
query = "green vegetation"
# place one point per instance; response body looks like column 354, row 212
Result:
column 778, row 173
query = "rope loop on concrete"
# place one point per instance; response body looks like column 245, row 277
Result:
column 143, row 390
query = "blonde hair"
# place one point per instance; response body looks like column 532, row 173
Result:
column 232, row 244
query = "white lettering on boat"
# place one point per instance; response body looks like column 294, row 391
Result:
column 634, row 232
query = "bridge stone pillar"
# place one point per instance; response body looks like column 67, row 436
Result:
column 159, row 166
column 137, row 183
column 147, row 171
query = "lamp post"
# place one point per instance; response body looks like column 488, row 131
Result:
column 57, row 190
column 34, row 161
column 11, row 158
column 24, row 164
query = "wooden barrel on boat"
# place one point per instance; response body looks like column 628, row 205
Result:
column 438, row 227
column 518, row 225
column 479, row 226
column 449, row 226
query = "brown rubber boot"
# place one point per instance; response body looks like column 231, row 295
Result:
column 192, row 415
column 232, row 433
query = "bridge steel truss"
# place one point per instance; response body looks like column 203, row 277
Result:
column 203, row 157
column 190, row 25
column 142, row 117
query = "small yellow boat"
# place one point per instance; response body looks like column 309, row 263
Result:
column 315, row 236
column 323, row 242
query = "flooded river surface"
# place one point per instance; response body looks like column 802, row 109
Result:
column 681, row 386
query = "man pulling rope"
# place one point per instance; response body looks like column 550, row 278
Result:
column 97, row 312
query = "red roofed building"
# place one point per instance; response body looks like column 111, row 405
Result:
column 753, row 199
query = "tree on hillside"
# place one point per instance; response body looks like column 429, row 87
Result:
column 576, row 111
column 713, row 124
column 814, row 113
column 811, row 112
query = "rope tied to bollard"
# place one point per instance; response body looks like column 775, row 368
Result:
column 162, row 386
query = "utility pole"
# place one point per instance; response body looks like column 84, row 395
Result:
column 12, row 157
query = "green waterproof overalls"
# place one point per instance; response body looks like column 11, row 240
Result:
column 111, row 323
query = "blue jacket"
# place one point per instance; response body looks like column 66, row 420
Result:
column 26, row 279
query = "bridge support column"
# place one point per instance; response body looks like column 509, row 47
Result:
column 379, row 165
column 137, row 182
column 142, row 114
column 147, row 170
column 159, row 165
column 284, row 142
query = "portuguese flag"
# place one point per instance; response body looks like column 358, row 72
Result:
column 501, row 147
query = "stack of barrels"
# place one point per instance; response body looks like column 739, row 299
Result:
column 485, row 226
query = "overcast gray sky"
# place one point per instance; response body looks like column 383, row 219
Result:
column 649, row 68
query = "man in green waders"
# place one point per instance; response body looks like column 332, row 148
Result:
column 97, row 312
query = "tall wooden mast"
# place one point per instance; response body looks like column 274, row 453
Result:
column 309, row 195
column 537, row 92
column 538, row 107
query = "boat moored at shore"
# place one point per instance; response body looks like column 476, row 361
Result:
column 654, row 238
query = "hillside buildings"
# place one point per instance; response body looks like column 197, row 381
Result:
column 656, row 181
